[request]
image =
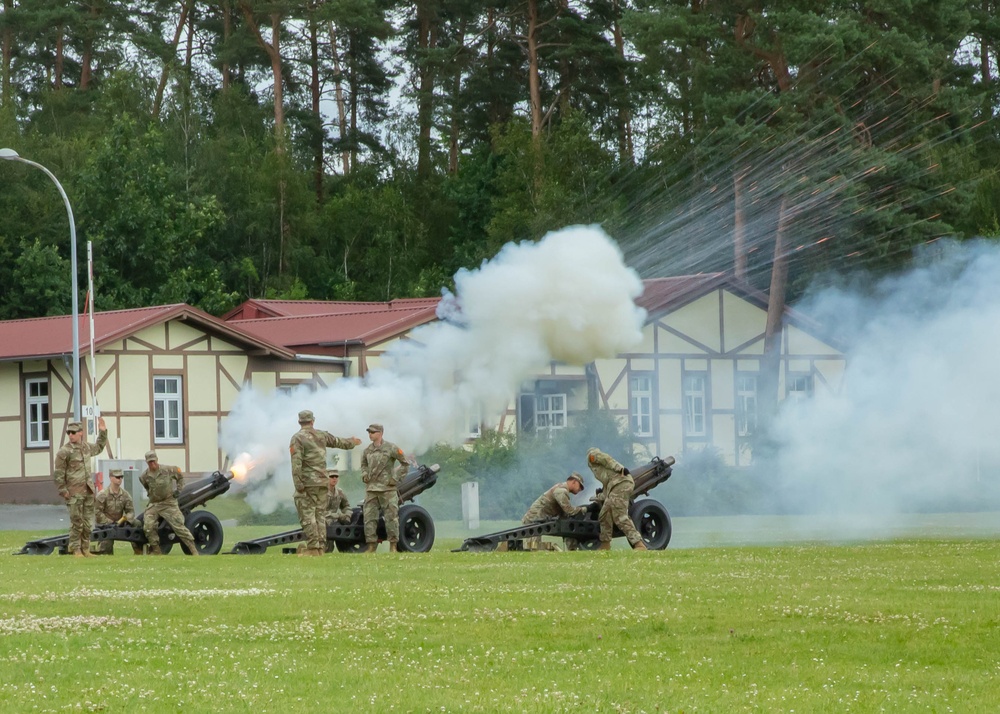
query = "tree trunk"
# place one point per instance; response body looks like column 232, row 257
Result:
column 534, row 81
column 87, row 60
column 162, row 85
column 58, row 66
column 456, row 90
column 426, row 41
column 273, row 50
column 314, row 95
column 8, row 5
column 626, row 145
column 338, row 90
column 739, row 226
column 226, row 31
column 771, row 363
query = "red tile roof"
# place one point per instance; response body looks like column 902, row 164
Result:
column 53, row 336
column 256, row 309
column 367, row 327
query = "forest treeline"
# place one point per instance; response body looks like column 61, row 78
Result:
column 368, row 149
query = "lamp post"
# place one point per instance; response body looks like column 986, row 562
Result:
column 11, row 155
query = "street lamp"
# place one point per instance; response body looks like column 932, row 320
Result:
column 11, row 155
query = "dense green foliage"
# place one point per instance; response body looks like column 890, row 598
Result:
column 368, row 149
column 905, row 626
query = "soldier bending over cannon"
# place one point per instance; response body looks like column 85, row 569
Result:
column 617, row 486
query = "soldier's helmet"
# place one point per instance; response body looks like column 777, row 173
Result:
column 116, row 473
column 306, row 416
column 151, row 455
column 332, row 473
column 374, row 427
column 575, row 477
column 74, row 426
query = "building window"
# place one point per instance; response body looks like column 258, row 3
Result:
column 167, row 410
column 694, row 404
column 550, row 412
column 641, row 405
column 746, row 404
column 799, row 387
column 36, row 398
column 474, row 424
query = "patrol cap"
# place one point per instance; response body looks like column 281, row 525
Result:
column 575, row 477
column 116, row 473
column 74, row 426
column 151, row 455
column 332, row 473
column 306, row 416
column 374, row 427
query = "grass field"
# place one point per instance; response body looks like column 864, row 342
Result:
column 894, row 626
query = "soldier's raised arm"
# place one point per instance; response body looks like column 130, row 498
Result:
column 336, row 442
column 102, row 438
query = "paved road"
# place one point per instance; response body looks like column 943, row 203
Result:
column 33, row 518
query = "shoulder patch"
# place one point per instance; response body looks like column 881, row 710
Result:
column 592, row 458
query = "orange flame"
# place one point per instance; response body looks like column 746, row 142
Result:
column 241, row 467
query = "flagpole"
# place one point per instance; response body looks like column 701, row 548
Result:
column 90, row 310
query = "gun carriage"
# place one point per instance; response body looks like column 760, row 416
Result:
column 204, row 525
column 650, row 517
column 416, row 527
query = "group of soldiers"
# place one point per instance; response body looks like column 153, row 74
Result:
column 114, row 504
column 318, row 497
column 383, row 465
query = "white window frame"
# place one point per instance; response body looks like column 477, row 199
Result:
column 793, row 382
column 695, row 404
column 37, row 414
column 549, row 415
column 641, row 404
column 746, row 403
column 162, row 403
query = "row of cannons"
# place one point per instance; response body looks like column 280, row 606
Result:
column 416, row 527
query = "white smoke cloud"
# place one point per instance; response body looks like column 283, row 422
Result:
column 568, row 297
column 915, row 425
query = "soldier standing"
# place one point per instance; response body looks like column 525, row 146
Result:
column 618, row 486
column 163, row 485
column 308, row 449
column 76, row 485
column 114, row 505
column 381, row 476
column 552, row 503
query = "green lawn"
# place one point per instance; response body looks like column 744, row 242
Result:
column 907, row 625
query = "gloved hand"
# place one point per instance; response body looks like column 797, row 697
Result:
column 345, row 519
column 177, row 494
column 123, row 520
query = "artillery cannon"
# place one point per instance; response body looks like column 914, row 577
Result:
column 650, row 517
column 416, row 527
column 204, row 525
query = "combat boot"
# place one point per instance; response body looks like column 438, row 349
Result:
column 371, row 548
column 155, row 550
column 392, row 547
column 87, row 554
column 192, row 549
column 639, row 545
column 605, row 545
column 78, row 554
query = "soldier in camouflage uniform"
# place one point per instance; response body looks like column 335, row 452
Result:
column 163, row 485
column 382, row 465
column 555, row 502
column 617, row 484
column 114, row 505
column 308, row 449
column 338, row 507
column 76, row 485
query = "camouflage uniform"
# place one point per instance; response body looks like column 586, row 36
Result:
column 338, row 507
column 76, row 485
column 163, row 484
column 552, row 503
column 308, row 449
column 381, row 477
column 112, row 507
column 616, row 496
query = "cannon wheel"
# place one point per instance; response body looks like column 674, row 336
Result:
column 653, row 523
column 416, row 529
column 207, row 532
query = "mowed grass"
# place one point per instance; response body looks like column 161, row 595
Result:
column 891, row 626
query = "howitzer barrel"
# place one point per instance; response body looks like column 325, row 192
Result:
column 416, row 481
column 651, row 475
column 201, row 492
